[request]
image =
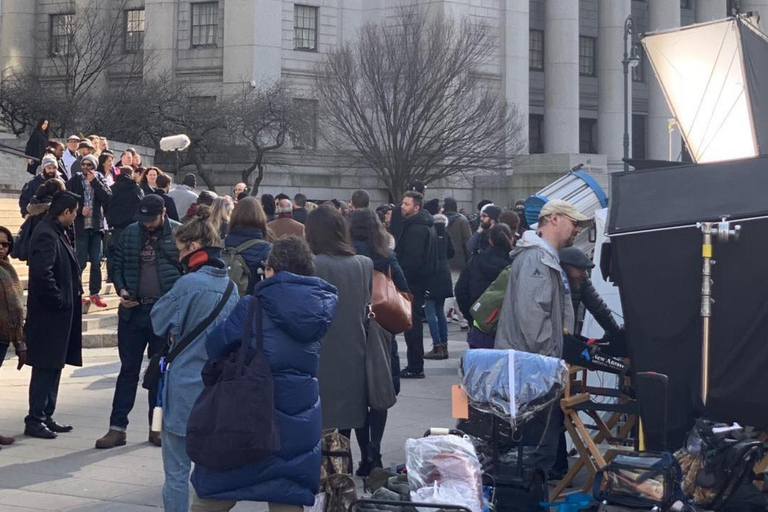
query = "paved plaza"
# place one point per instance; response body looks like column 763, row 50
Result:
column 69, row 474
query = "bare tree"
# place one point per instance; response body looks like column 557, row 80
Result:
column 408, row 99
column 266, row 117
column 82, row 49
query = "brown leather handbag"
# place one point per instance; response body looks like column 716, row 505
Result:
column 391, row 307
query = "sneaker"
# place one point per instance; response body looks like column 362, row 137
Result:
column 455, row 316
column 463, row 325
column 449, row 315
column 111, row 439
column 98, row 301
column 410, row 374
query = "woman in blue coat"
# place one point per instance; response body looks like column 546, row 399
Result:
column 299, row 309
column 248, row 229
column 191, row 300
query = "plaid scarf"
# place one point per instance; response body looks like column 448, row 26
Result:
column 11, row 305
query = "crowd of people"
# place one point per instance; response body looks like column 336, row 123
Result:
column 170, row 256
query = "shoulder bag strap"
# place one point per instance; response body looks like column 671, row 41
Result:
column 248, row 244
column 253, row 305
column 202, row 326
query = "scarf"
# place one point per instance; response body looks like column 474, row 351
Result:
column 11, row 305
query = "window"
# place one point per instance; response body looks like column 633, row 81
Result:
column 205, row 23
column 588, row 136
column 305, row 28
column 638, row 72
column 307, row 110
column 536, row 50
column 62, row 36
column 536, row 133
column 638, row 136
column 134, row 31
column 587, row 56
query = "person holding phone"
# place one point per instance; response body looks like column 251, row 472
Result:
column 90, row 184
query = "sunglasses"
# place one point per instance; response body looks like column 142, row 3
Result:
column 90, row 166
column 5, row 245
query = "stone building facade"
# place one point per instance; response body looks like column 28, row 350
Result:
column 557, row 61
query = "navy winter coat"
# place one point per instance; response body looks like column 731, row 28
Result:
column 253, row 255
column 298, row 312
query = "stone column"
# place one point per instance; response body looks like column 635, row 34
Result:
column 18, row 36
column 610, row 76
column 160, row 36
column 662, row 15
column 761, row 7
column 708, row 10
column 561, row 76
column 514, row 61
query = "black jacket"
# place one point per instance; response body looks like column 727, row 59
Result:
column 441, row 286
column 595, row 304
column 28, row 192
column 36, row 145
column 170, row 205
column 481, row 270
column 126, row 196
column 416, row 251
column 300, row 215
column 101, row 198
column 54, row 312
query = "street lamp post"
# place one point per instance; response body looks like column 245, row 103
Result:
column 631, row 59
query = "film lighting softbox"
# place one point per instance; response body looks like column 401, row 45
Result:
column 715, row 79
column 657, row 257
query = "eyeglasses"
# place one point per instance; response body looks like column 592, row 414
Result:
column 86, row 164
column 5, row 245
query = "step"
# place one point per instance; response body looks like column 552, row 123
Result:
column 100, row 320
column 106, row 288
column 22, row 270
column 113, row 301
column 100, row 338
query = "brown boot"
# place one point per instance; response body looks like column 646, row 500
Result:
column 435, row 353
column 5, row 440
column 111, row 439
column 443, row 351
column 154, row 438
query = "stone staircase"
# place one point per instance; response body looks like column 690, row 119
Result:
column 99, row 324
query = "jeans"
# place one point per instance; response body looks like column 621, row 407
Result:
column 414, row 337
column 177, row 466
column 43, row 393
column 88, row 248
column 438, row 325
column 206, row 505
column 133, row 337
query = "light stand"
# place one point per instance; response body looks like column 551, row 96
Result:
column 723, row 233
column 631, row 59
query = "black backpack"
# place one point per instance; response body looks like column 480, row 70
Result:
column 22, row 240
column 232, row 423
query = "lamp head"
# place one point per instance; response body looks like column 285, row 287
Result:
column 634, row 56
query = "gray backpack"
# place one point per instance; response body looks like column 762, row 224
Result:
column 237, row 268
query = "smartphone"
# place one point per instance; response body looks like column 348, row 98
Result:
column 130, row 298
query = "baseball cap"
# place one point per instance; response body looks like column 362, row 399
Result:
column 564, row 208
column 85, row 144
column 150, row 207
column 575, row 258
column 73, row 137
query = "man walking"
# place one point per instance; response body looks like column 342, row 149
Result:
column 53, row 328
column 416, row 250
column 184, row 195
column 89, row 226
column 537, row 309
column 284, row 224
column 146, row 264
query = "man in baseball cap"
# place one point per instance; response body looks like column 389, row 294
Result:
column 150, row 208
column 560, row 207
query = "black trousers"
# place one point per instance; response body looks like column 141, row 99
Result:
column 414, row 337
column 43, row 392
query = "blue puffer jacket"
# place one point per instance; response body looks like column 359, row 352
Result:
column 253, row 255
column 299, row 311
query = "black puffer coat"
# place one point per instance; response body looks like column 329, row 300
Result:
column 481, row 270
column 416, row 250
column 441, row 286
column 54, row 310
column 126, row 196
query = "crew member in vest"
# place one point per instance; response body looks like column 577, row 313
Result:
column 145, row 267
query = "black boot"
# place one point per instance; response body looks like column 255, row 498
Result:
column 39, row 431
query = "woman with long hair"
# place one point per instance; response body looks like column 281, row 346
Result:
column 248, row 236
column 342, row 359
column 36, row 145
column 369, row 238
column 149, row 179
column 106, row 167
column 11, row 309
column 482, row 269
column 193, row 297
column 221, row 209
